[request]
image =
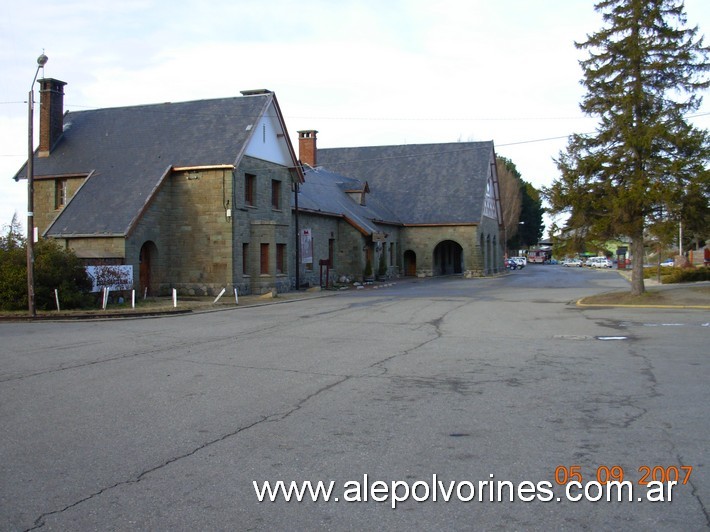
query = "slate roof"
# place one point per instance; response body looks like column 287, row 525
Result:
column 326, row 192
column 421, row 183
column 127, row 151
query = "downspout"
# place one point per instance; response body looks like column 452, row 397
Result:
column 298, row 239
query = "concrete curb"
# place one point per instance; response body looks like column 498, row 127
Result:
column 580, row 303
column 159, row 313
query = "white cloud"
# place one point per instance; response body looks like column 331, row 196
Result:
column 360, row 72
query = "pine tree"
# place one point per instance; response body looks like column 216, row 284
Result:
column 645, row 162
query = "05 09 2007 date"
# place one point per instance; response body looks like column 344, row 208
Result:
column 616, row 473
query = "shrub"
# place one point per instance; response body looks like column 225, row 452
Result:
column 55, row 268
column 678, row 275
column 687, row 275
column 13, row 278
column 382, row 267
column 368, row 268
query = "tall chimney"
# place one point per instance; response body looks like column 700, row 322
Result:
column 51, row 114
column 307, row 151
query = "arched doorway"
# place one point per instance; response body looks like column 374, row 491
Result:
column 410, row 263
column 448, row 258
column 147, row 259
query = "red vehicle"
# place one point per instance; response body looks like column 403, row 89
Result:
column 539, row 256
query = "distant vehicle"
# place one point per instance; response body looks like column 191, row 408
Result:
column 668, row 262
column 510, row 264
column 538, row 256
column 520, row 261
column 572, row 263
column 599, row 262
column 553, row 261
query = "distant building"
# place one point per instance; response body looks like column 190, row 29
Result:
column 431, row 209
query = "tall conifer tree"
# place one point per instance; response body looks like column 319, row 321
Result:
column 644, row 162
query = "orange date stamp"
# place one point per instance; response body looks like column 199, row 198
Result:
column 615, row 473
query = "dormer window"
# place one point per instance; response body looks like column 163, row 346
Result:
column 358, row 195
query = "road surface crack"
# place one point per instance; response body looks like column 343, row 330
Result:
column 40, row 521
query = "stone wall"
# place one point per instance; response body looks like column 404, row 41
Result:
column 45, row 199
column 188, row 224
column 422, row 240
column 323, row 229
column 97, row 248
column 262, row 223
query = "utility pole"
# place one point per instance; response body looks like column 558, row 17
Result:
column 41, row 61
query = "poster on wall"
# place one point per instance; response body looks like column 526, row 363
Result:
column 306, row 247
column 113, row 277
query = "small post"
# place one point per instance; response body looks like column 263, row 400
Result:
column 174, row 297
column 236, row 296
column 133, row 298
column 145, row 293
column 220, row 295
column 106, row 292
column 56, row 298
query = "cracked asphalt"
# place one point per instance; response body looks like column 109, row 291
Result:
column 165, row 423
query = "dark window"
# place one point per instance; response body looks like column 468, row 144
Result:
column 331, row 252
column 265, row 258
column 250, row 189
column 245, row 259
column 275, row 194
column 280, row 258
column 60, row 193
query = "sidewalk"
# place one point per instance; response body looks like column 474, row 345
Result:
column 163, row 306
column 683, row 295
column 688, row 296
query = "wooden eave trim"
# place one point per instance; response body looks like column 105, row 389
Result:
column 69, row 236
column 385, row 222
column 61, row 176
column 362, row 230
column 444, row 224
column 204, row 167
column 322, row 213
column 287, row 139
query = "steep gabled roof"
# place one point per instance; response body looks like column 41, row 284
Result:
column 327, row 193
column 421, row 183
column 128, row 151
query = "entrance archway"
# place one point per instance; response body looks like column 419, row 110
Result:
column 448, row 258
column 147, row 259
column 410, row 263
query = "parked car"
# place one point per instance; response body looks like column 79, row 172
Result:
column 520, row 261
column 599, row 262
column 510, row 264
column 668, row 262
column 572, row 263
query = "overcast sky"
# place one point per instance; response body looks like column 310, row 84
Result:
column 361, row 72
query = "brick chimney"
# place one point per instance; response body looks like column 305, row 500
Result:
column 51, row 114
column 307, row 151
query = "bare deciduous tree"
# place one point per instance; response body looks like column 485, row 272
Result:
column 511, row 196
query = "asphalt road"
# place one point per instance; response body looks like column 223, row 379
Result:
column 443, row 386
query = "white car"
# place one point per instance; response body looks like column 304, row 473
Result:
column 520, row 261
column 572, row 263
column 599, row 262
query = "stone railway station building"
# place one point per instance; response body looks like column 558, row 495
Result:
column 210, row 194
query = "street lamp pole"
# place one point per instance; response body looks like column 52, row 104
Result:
column 41, row 61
